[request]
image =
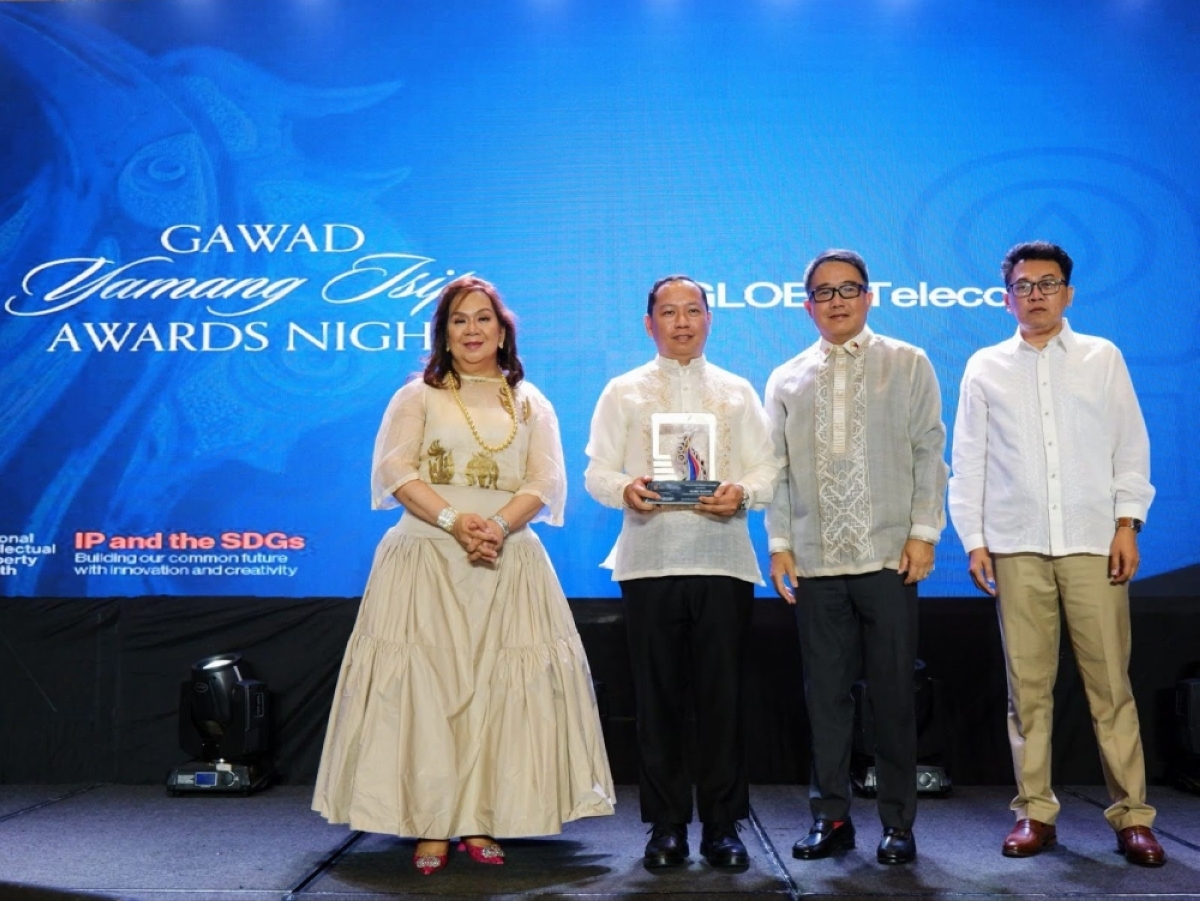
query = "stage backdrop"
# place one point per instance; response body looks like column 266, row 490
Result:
column 223, row 224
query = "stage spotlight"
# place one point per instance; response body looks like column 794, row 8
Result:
column 224, row 717
column 929, row 701
column 931, row 779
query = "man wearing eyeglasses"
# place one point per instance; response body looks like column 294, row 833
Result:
column 1051, row 484
column 852, row 530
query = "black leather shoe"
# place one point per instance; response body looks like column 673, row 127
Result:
column 897, row 846
column 721, row 847
column 667, row 847
column 823, row 839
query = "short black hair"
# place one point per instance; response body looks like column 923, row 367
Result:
column 1036, row 250
column 837, row 255
column 673, row 278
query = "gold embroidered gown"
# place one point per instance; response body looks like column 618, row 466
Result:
column 464, row 704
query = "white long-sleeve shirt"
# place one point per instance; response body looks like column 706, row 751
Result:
column 860, row 426
column 1050, row 447
column 680, row 541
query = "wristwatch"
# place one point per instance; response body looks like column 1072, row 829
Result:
column 1128, row 522
column 744, row 503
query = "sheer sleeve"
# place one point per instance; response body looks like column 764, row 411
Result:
column 397, row 459
column 779, row 513
column 605, row 477
column 545, row 469
column 759, row 462
column 927, row 433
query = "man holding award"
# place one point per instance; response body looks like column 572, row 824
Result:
column 684, row 448
column 852, row 529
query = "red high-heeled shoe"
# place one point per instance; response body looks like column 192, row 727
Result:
column 430, row 863
column 490, row 854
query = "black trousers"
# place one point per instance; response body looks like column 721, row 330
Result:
column 847, row 622
column 689, row 633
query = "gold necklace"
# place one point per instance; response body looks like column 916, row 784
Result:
column 507, row 402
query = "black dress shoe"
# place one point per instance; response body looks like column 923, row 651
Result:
column 823, row 839
column 667, row 847
column 897, row 846
column 721, row 847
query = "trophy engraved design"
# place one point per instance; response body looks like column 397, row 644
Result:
column 684, row 457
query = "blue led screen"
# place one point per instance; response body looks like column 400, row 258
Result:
column 310, row 172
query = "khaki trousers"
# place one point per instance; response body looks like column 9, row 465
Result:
column 1029, row 588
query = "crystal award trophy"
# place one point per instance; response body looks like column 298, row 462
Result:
column 684, row 457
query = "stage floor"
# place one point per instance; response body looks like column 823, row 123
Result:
column 135, row 842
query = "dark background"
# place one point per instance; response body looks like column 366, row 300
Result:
column 89, row 689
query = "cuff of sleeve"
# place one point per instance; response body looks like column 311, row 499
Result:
column 607, row 488
column 973, row 542
column 386, row 499
column 547, row 514
column 1133, row 511
column 533, row 492
column 925, row 533
column 775, row 545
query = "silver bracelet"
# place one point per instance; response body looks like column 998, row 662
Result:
column 502, row 523
column 445, row 519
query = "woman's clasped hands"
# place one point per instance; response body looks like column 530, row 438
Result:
column 480, row 538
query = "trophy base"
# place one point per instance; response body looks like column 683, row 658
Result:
column 681, row 493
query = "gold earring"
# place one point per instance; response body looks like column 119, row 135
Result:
column 502, row 342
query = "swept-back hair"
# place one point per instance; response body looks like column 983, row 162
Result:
column 837, row 255
column 441, row 364
column 1036, row 250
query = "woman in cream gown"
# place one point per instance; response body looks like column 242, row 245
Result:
column 464, row 707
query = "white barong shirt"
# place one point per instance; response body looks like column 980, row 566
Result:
column 675, row 541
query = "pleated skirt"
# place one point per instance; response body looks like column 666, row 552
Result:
column 465, row 703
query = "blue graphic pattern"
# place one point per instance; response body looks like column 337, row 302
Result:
column 572, row 153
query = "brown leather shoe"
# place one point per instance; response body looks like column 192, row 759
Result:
column 1029, row 837
column 1139, row 846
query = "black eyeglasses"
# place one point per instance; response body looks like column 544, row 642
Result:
column 1047, row 286
column 850, row 290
